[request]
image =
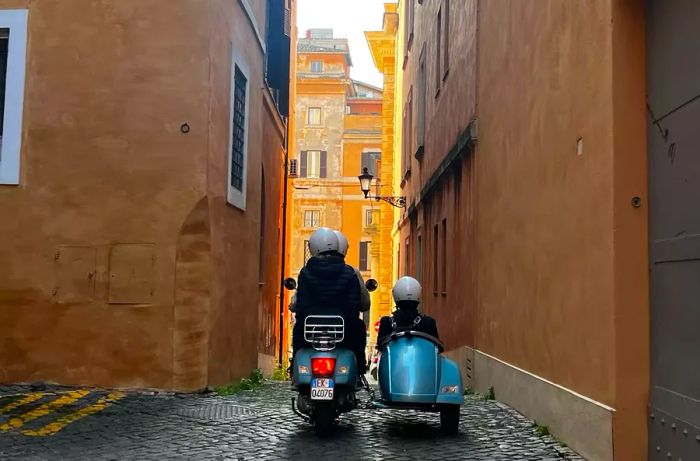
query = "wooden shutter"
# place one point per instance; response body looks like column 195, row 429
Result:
column 303, row 164
column 323, row 169
column 364, row 266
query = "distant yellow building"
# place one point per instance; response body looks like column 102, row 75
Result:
column 338, row 132
column 387, row 246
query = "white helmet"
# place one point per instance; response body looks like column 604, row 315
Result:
column 406, row 289
column 323, row 241
column 342, row 243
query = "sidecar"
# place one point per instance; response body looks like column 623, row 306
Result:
column 413, row 374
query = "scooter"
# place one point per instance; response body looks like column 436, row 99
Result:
column 325, row 375
column 413, row 374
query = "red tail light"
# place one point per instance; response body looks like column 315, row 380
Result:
column 323, row 367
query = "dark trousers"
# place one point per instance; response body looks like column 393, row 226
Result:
column 355, row 340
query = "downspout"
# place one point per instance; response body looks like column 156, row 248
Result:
column 284, row 244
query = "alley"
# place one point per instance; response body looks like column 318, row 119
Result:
column 260, row 425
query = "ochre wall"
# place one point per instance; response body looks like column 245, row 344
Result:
column 545, row 214
column 104, row 164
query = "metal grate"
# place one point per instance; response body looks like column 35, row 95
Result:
column 216, row 412
column 238, row 138
column 294, row 168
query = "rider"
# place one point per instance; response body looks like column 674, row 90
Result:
column 326, row 284
column 365, row 301
column 407, row 296
column 360, row 330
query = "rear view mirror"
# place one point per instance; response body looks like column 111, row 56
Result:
column 290, row 283
column 371, row 285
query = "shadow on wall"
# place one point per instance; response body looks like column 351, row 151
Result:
column 192, row 300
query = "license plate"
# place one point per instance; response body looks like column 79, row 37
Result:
column 322, row 389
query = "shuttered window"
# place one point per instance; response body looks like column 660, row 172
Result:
column 364, row 256
column 313, row 164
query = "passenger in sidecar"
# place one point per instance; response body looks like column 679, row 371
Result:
column 413, row 374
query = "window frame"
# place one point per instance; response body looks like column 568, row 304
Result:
column 446, row 34
column 236, row 197
column 309, row 170
column 368, row 260
column 15, row 20
column 367, row 212
column 438, row 53
column 311, row 67
column 422, row 103
column 312, row 211
column 320, row 116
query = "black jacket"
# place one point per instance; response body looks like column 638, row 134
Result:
column 327, row 286
column 404, row 321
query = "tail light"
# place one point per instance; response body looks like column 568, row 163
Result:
column 323, row 367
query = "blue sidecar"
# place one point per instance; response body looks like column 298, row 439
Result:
column 413, row 374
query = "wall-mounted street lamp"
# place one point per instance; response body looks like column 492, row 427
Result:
column 366, row 183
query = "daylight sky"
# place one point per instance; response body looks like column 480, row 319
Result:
column 348, row 19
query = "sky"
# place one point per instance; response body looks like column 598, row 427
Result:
column 348, row 19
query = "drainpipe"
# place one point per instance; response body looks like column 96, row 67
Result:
column 284, row 244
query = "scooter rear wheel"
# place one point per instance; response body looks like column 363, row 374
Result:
column 324, row 416
column 449, row 419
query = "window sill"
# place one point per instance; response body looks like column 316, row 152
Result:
column 437, row 93
column 447, row 74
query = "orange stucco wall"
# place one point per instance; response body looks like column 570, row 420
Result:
column 551, row 274
column 110, row 186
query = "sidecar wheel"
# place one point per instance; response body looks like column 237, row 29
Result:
column 324, row 416
column 449, row 419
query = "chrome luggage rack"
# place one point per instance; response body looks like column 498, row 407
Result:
column 324, row 331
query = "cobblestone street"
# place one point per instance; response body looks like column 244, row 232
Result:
column 252, row 425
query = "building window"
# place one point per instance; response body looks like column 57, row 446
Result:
column 409, row 11
column 261, row 256
column 407, row 146
column 369, row 161
column 436, row 257
column 407, row 256
column 13, row 50
column 422, row 89
column 317, row 66
column 438, row 53
column 364, row 256
column 307, row 251
column 312, row 219
column 443, row 257
column 419, row 259
column 314, row 116
column 313, row 164
column 369, row 217
column 446, row 65
column 239, row 132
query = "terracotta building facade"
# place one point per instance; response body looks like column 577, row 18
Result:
column 142, row 164
column 521, row 152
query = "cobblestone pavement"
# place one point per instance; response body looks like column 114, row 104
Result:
column 255, row 425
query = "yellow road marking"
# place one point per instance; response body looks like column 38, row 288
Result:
column 54, row 427
column 29, row 398
column 43, row 410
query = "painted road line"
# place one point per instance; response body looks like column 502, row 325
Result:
column 44, row 410
column 28, row 398
column 54, row 427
